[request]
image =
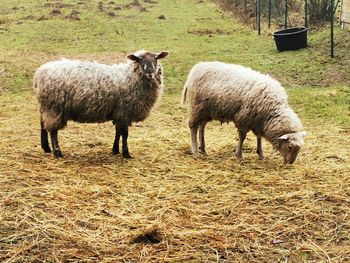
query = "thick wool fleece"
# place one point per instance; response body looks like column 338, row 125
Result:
column 228, row 92
column 93, row 92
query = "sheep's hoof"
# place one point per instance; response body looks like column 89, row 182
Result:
column 203, row 152
column 47, row 150
column 126, row 155
column 239, row 159
column 58, row 153
column 261, row 157
column 115, row 152
column 195, row 152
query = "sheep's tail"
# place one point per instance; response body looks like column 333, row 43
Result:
column 184, row 95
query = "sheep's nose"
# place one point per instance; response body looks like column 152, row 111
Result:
column 150, row 75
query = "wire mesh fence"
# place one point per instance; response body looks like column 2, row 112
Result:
column 283, row 13
column 286, row 13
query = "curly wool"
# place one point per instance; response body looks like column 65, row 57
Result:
column 253, row 101
column 94, row 92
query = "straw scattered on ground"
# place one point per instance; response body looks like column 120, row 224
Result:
column 166, row 205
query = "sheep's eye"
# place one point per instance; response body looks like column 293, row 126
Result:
column 289, row 147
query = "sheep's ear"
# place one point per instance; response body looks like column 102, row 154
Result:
column 284, row 137
column 162, row 54
column 133, row 57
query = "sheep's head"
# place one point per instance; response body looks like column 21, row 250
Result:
column 148, row 62
column 289, row 145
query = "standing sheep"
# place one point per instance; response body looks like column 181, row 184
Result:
column 253, row 101
column 92, row 92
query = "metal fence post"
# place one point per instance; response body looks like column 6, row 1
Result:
column 332, row 27
column 258, row 14
column 306, row 7
column 286, row 15
column 269, row 13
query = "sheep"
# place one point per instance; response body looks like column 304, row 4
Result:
column 91, row 92
column 253, row 101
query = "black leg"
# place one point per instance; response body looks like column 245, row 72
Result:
column 56, row 148
column 118, row 133
column 44, row 139
column 125, row 152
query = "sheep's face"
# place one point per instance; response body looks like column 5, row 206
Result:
column 148, row 62
column 289, row 146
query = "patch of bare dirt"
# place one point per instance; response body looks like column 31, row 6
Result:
column 75, row 12
column 55, row 12
column 30, row 17
column 135, row 3
column 42, row 18
column 111, row 14
column 107, row 8
column 73, row 17
column 208, row 32
column 58, row 5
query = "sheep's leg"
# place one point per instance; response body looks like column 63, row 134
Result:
column 259, row 149
column 239, row 150
column 44, row 139
column 194, row 130
column 197, row 120
column 125, row 150
column 193, row 125
column 56, row 148
column 118, row 133
column 201, row 138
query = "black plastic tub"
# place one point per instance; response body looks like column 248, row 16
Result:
column 291, row 38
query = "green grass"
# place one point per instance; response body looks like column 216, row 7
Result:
column 325, row 105
column 92, row 206
column 192, row 32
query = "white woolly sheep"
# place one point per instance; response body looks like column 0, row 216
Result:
column 93, row 92
column 253, row 101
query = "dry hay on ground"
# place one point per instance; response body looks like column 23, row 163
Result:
column 165, row 205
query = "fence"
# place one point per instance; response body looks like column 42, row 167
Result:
column 345, row 15
column 306, row 13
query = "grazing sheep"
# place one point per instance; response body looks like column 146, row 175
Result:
column 92, row 92
column 253, row 101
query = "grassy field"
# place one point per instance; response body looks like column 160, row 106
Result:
column 165, row 205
